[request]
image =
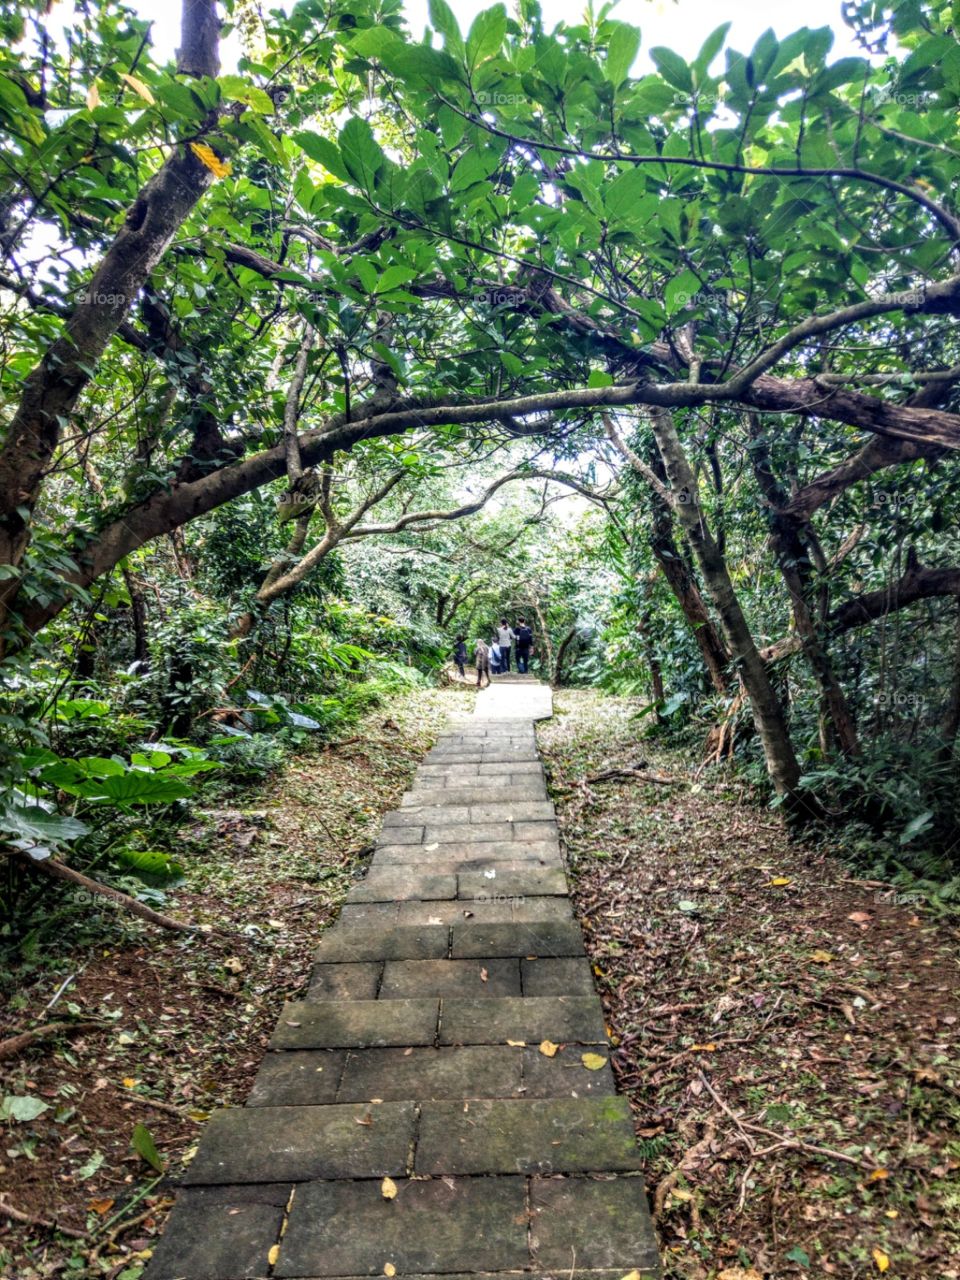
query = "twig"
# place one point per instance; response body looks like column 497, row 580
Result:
column 15, row 1045
column 666, row 1185
column 34, row 1220
column 168, row 1107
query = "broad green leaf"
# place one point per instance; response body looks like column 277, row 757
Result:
column 361, row 152
column 145, row 1147
column 486, row 34
column 621, row 53
column 21, row 1108
column 673, row 68
column 324, row 152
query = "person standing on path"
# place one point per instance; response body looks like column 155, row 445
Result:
column 495, row 666
column 506, row 636
column 524, row 638
column 460, row 655
column 481, row 657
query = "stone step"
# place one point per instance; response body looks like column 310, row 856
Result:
column 416, row 1054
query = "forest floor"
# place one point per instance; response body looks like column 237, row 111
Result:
column 185, row 1018
column 786, row 1033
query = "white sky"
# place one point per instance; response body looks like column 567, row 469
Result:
column 682, row 26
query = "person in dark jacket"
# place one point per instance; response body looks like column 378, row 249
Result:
column 524, row 644
column 460, row 655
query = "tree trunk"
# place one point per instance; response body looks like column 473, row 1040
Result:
column 782, row 764
column 565, row 644
column 52, row 388
column 792, row 552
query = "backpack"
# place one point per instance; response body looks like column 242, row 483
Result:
column 524, row 637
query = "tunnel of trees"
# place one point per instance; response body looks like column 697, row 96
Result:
column 312, row 364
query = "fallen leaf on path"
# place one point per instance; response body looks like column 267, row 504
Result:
column 548, row 1048
column 779, row 881
column 593, row 1061
column 881, row 1259
column 484, row 976
column 273, row 1255
column 101, row 1206
column 233, row 964
column 821, row 957
column 516, row 1044
column 703, row 1048
column 389, row 1269
column 364, row 1120
column 738, row 1273
column 859, row 917
column 388, row 1189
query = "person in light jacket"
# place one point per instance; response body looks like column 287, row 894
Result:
column 481, row 658
column 505, row 636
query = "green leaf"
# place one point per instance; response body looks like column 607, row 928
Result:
column 600, row 378
column 443, row 20
column 33, row 822
column 140, row 788
column 798, row 1255
column 673, row 68
column 145, row 1147
column 324, row 152
column 486, row 35
column 21, row 1109
column 621, row 53
column 361, row 152
column 153, row 864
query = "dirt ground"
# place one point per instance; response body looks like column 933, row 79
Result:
column 184, row 1018
column 786, row 1033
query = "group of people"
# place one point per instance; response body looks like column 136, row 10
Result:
column 495, row 657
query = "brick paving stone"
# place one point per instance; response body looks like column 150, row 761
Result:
column 601, row 1224
column 533, row 910
column 529, row 1018
column 556, row 977
column 349, row 1229
column 486, row 792
column 489, row 912
column 401, row 884
column 550, row 938
column 220, row 1233
column 278, row 1144
column 517, row 880
column 529, row 1136
column 481, row 978
column 399, row 835
column 470, row 850
column 402, row 942
column 564, row 1075
column 373, row 915
column 494, row 810
column 474, row 833
column 534, row 830
column 463, row 1071
column 345, row 981
column 298, row 1078
column 437, row 815
column 349, row 1024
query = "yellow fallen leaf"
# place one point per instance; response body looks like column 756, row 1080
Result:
column 233, row 964
column 703, row 1048
column 593, row 1061
column 101, row 1207
column 548, row 1048
column 878, row 1175
column 679, row 1193
column 516, row 1044
column 780, row 880
column 738, row 1273
column 206, row 155
column 388, row 1189
column 129, row 1082
column 891, row 1213
column 631, row 1275
column 93, row 100
column 389, row 1269
column 821, row 957
column 138, row 87
column 881, row 1259
column 273, row 1255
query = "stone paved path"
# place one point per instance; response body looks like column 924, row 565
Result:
column 415, row 1056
